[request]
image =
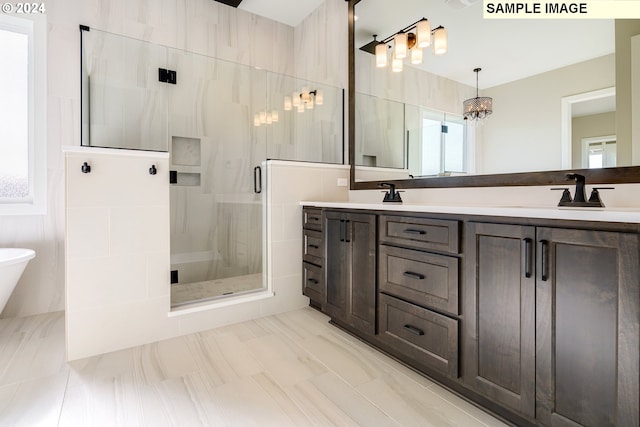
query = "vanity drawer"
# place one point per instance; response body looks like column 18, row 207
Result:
column 421, row 233
column 312, row 218
column 429, row 280
column 312, row 250
column 428, row 338
column 313, row 282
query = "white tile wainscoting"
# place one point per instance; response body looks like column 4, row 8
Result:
column 117, row 246
column 290, row 369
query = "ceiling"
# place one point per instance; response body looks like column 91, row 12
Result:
column 505, row 49
column 290, row 12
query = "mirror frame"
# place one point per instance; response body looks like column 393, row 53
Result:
column 618, row 175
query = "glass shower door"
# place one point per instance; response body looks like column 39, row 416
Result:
column 216, row 155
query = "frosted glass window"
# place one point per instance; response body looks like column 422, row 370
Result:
column 23, row 114
column 14, row 114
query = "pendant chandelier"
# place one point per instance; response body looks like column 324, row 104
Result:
column 477, row 108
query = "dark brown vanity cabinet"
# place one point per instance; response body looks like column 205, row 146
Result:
column 536, row 320
column 551, row 322
column 587, row 334
column 499, row 327
column 350, row 265
column 419, row 291
column 313, row 256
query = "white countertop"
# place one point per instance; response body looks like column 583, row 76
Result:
column 628, row 215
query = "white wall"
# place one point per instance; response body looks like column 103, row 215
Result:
column 525, row 125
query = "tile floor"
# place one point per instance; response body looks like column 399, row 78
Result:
column 292, row 369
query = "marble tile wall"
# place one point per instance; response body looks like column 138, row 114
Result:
column 201, row 26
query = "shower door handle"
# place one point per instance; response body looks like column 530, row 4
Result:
column 257, row 180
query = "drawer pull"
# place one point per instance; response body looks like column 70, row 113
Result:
column 314, row 218
column 414, row 231
column 412, row 275
column 414, row 330
column 314, row 246
column 314, row 281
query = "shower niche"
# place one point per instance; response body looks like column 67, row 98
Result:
column 220, row 121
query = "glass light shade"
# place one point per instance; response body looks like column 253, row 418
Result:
column 416, row 55
column 319, row 97
column 396, row 65
column 296, row 99
column 440, row 41
column 423, row 30
column 400, row 46
column 309, row 104
column 381, row 55
column 263, row 117
column 287, row 103
column 256, row 119
column 300, row 108
column 274, row 116
column 269, row 118
column 477, row 108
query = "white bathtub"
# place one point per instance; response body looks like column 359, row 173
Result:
column 12, row 264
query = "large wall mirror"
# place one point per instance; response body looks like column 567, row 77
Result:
column 563, row 92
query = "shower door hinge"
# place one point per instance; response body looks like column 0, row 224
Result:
column 174, row 276
column 167, row 76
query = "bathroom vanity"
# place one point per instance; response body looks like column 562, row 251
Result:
column 530, row 313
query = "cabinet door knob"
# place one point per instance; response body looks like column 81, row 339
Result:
column 85, row 168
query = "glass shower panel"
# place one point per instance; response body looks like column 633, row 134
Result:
column 124, row 105
column 306, row 120
column 217, row 214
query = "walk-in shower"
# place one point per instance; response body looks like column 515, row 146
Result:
column 220, row 122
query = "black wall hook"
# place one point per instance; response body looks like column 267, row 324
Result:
column 85, row 168
column 153, row 170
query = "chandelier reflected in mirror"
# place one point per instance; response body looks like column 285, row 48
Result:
column 409, row 42
column 478, row 108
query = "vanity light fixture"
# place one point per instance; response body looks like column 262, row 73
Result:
column 265, row 118
column 409, row 42
column 477, row 108
column 303, row 100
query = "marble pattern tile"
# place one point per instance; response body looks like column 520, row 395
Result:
column 291, row 369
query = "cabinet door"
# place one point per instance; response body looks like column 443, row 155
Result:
column 337, row 265
column 361, row 241
column 587, row 328
column 499, row 310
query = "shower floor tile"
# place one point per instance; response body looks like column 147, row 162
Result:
column 186, row 293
